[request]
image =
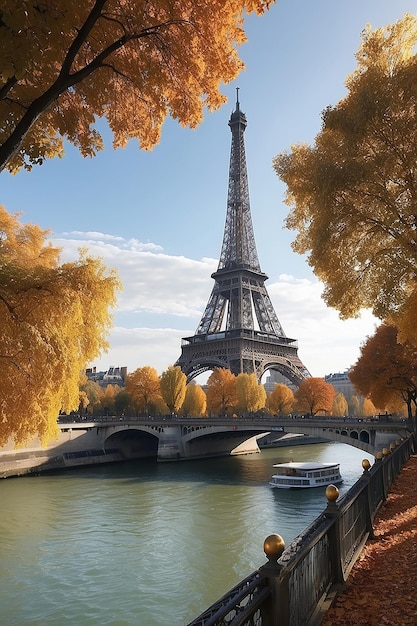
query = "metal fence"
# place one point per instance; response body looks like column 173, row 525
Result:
column 296, row 584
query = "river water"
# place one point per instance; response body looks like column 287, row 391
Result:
column 146, row 543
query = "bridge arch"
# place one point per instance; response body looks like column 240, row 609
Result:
column 132, row 442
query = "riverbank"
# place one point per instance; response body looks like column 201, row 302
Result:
column 382, row 587
column 77, row 445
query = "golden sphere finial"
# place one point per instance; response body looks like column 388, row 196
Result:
column 385, row 452
column 332, row 493
column 274, row 546
column 378, row 456
column 366, row 464
column 392, row 446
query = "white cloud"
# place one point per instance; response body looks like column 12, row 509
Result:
column 164, row 297
column 137, row 347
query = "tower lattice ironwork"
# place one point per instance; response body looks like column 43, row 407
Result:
column 227, row 335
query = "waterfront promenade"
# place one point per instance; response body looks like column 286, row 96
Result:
column 382, row 587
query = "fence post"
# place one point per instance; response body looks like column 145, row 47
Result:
column 378, row 458
column 332, row 511
column 366, row 476
column 274, row 546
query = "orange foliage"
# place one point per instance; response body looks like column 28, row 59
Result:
column 314, row 395
column 221, row 392
column 62, row 64
column 381, row 589
column 386, row 370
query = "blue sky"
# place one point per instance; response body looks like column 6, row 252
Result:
column 158, row 217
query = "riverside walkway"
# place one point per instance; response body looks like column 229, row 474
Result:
column 382, row 587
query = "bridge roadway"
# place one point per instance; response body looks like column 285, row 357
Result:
column 185, row 438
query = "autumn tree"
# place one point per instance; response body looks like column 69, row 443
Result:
column 144, row 388
column 122, row 402
column 281, row 400
column 251, row 395
column 340, row 405
column 195, row 401
column 368, row 408
column 93, row 392
column 354, row 405
column 221, row 392
column 107, row 399
column 387, row 370
column 83, row 402
column 54, row 322
column 314, row 396
column 64, row 63
column 353, row 193
column 173, row 383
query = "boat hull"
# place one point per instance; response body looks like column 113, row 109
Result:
column 310, row 486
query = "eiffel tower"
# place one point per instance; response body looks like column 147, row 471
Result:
column 226, row 335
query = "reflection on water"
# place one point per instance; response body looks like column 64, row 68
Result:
column 147, row 543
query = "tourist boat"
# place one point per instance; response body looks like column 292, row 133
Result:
column 303, row 475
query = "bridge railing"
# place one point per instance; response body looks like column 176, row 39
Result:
column 294, row 586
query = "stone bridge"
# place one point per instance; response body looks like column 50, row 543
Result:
column 187, row 438
column 110, row 439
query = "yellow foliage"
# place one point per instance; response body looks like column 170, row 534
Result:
column 369, row 408
column 281, row 400
column 340, row 405
column 144, row 388
column 54, row 321
column 107, row 399
column 355, row 406
column 251, row 396
column 195, row 401
column 173, row 384
column 66, row 62
column 353, row 193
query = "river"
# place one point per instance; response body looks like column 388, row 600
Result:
column 146, row 543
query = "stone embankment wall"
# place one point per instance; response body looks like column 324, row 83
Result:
column 75, row 446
